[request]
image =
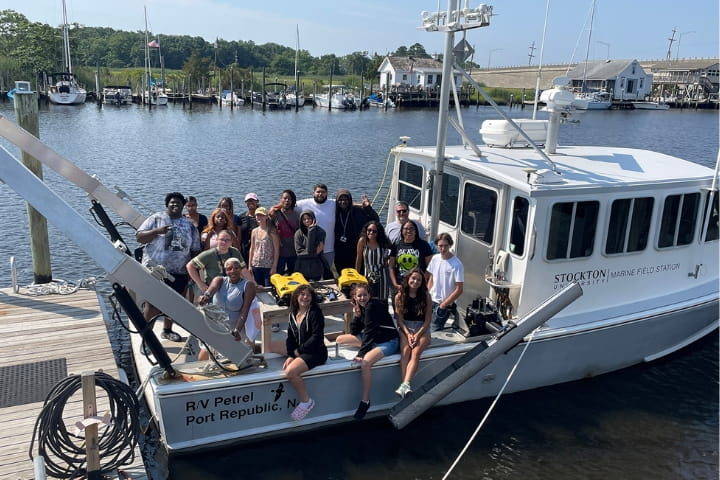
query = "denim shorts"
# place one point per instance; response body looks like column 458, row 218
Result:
column 390, row 347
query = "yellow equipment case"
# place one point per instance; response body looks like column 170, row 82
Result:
column 348, row 276
column 285, row 285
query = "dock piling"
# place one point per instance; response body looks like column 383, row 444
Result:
column 26, row 113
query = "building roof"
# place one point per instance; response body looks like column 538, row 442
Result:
column 599, row 69
column 405, row 63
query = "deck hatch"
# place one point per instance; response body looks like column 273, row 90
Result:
column 30, row 382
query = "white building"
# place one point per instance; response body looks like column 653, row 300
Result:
column 624, row 79
column 412, row 72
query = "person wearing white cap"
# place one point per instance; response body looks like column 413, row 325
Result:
column 248, row 223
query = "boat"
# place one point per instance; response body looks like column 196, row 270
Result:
column 273, row 97
column 592, row 101
column 64, row 88
column 293, row 98
column 376, row 100
column 584, row 99
column 231, row 98
column 647, row 105
column 335, row 96
column 153, row 93
column 117, row 95
column 579, row 261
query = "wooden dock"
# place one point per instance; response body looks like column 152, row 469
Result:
column 44, row 339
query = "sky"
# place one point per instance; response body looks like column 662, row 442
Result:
column 622, row 29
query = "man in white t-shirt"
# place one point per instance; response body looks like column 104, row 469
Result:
column 447, row 276
column 324, row 210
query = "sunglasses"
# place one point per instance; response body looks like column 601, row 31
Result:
column 372, row 231
column 401, row 211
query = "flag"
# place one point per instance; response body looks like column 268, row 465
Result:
column 154, row 44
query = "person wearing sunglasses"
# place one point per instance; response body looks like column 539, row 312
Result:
column 402, row 214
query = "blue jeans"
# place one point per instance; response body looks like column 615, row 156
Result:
column 262, row 276
column 440, row 317
column 389, row 347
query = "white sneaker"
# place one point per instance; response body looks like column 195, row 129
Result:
column 403, row 389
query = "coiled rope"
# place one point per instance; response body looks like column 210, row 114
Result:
column 64, row 452
column 58, row 287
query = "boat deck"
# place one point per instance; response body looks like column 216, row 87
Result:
column 45, row 339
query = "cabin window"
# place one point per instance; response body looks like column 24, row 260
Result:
column 572, row 230
column 449, row 202
column 478, row 213
column 404, row 76
column 518, row 229
column 712, row 227
column 410, row 183
column 629, row 225
column 429, row 80
column 678, row 220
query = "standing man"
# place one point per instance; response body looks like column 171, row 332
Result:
column 171, row 241
column 349, row 222
column 447, row 276
column 324, row 211
column 402, row 213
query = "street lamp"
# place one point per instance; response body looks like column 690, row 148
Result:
column 677, row 52
column 607, row 45
column 490, row 55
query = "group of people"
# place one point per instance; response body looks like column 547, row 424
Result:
column 223, row 257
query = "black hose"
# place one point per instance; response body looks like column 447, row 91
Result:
column 64, row 452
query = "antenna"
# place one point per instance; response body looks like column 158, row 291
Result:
column 532, row 53
column 672, row 39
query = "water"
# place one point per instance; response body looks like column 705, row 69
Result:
column 656, row 421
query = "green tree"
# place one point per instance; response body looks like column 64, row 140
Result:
column 418, row 51
column 197, row 67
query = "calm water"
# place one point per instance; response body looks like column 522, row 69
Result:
column 656, row 421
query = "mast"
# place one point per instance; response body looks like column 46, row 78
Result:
column 454, row 20
column 147, row 51
column 66, row 41
column 587, row 50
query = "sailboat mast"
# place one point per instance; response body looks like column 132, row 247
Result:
column 297, row 55
column 147, row 55
column 66, row 41
column 587, row 50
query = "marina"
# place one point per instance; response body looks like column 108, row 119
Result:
column 419, row 122
column 546, row 227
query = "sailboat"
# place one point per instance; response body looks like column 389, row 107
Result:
column 64, row 89
column 585, row 100
column 153, row 94
column 294, row 97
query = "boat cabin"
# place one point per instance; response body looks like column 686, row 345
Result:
column 623, row 222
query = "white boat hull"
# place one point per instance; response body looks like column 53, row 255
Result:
column 257, row 404
column 340, row 101
column 650, row 106
column 74, row 98
column 291, row 99
column 159, row 99
column 588, row 104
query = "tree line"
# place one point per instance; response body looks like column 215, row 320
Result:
column 29, row 48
